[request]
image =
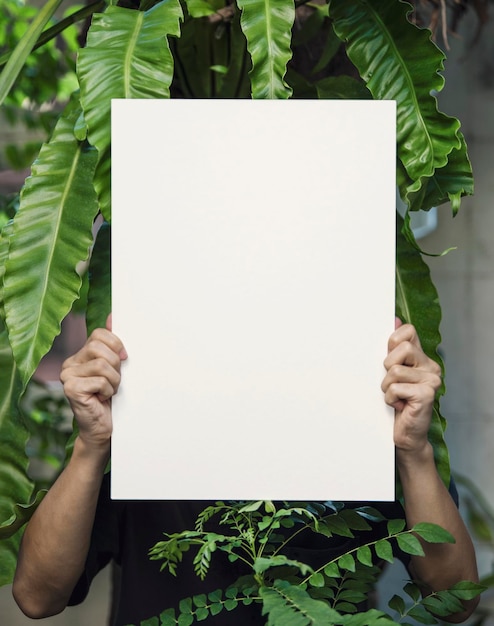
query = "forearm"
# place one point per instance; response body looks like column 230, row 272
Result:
column 428, row 500
column 56, row 541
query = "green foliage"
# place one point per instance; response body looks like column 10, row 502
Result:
column 399, row 63
column 291, row 592
column 267, row 26
column 126, row 56
column 52, row 233
column 34, row 84
column 210, row 49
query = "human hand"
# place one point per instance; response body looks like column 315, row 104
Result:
column 90, row 378
column 410, row 386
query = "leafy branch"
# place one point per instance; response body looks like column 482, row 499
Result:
column 299, row 594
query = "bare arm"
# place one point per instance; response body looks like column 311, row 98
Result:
column 410, row 385
column 56, row 541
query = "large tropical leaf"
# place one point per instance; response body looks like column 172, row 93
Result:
column 19, row 55
column 127, row 56
column 52, row 233
column 99, row 294
column 448, row 184
column 267, row 26
column 398, row 61
column 16, row 486
column 415, row 293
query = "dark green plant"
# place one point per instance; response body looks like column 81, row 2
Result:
column 204, row 49
column 292, row 592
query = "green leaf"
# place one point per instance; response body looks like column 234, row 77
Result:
column 231, row 604
column 267, row 26
column 364, row 555
column 347, row 562
column 126, row 56
column 398, row 61
column 354, row 519
column 395, row 526
column 373, row 617
column 215, row 609
column 448, row 183
column 167, row 618
column 420, row 614
column 23, row 49
column 290, row 605
column 345, row 607
column 397, row 604
column 184, row 619
column 467, row 590
column 442, row 604
column 17, row 488
column 416, row 293
column 332, row 570
column 316, row 580
column 410, row 544
column 384, row 550
column 215, row 596
column 199, row 8
column 432, row 533
column 350, row 595
column 261, row 564
column 185, row 605
column 339, row 526
column 99, row 294
column 413, row 591
column 51, row 236
column 251, row 507
column 202, row 613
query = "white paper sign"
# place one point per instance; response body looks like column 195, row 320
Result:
column 253, row 286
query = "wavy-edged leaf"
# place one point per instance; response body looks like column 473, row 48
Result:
column 127, row 55
column 199, row 8
column 99, row 294
column 17, row 488
column 416, row 293
column 398, row 61
column 267, row 26
column 23, row 49
column 448, row 184
column 51, row 235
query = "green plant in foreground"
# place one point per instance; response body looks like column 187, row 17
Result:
column 293, row 592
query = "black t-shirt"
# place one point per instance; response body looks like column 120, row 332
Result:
column 126, row 530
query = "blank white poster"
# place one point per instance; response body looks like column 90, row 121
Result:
column 253, row 264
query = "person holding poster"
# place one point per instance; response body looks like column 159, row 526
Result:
column 77, row 529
